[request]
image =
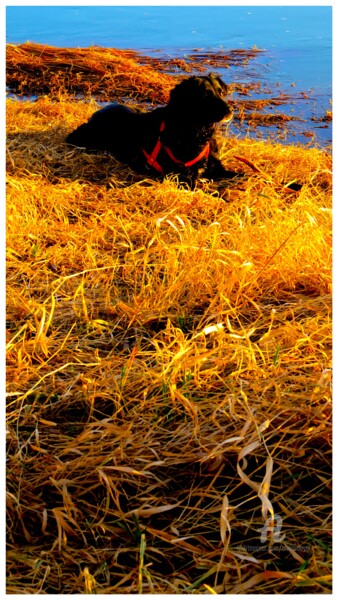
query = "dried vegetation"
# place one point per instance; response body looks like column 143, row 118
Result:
column 168, row 408
column 110, row 74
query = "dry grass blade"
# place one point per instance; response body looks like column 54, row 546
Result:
column 224, row 524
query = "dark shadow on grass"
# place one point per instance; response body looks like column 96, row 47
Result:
column 46, row 153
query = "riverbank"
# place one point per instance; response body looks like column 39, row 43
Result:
column 169, row 356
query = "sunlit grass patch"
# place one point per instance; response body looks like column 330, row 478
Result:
column 169, row 356
column 43, row 69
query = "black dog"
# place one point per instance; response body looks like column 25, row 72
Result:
column 178, row 138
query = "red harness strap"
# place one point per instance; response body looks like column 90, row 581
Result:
column 152, row 158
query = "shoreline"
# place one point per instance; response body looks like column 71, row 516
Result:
column 261, row 109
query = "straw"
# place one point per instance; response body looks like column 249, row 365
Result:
column 168, row 370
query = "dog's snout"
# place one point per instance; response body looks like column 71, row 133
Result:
column 229, row 115
column 222, row 110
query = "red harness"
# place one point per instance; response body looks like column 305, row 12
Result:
column 152, row 158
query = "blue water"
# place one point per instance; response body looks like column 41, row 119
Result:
column 297, row 39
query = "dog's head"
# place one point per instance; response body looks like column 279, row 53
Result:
column 201, row 100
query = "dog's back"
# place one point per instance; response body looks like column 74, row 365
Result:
column 111, row 128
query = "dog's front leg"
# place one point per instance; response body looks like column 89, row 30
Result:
column 189, row 177
column 216, row 171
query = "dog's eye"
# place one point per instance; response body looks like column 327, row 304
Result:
column 222, row 89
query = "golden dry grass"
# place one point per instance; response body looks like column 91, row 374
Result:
column 108, row 72
column 105, row 72
column 169, row 357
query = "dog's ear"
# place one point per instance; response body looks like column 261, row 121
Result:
column 218, row 84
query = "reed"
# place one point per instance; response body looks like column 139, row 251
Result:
column 42, row 69
column 168, row 374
